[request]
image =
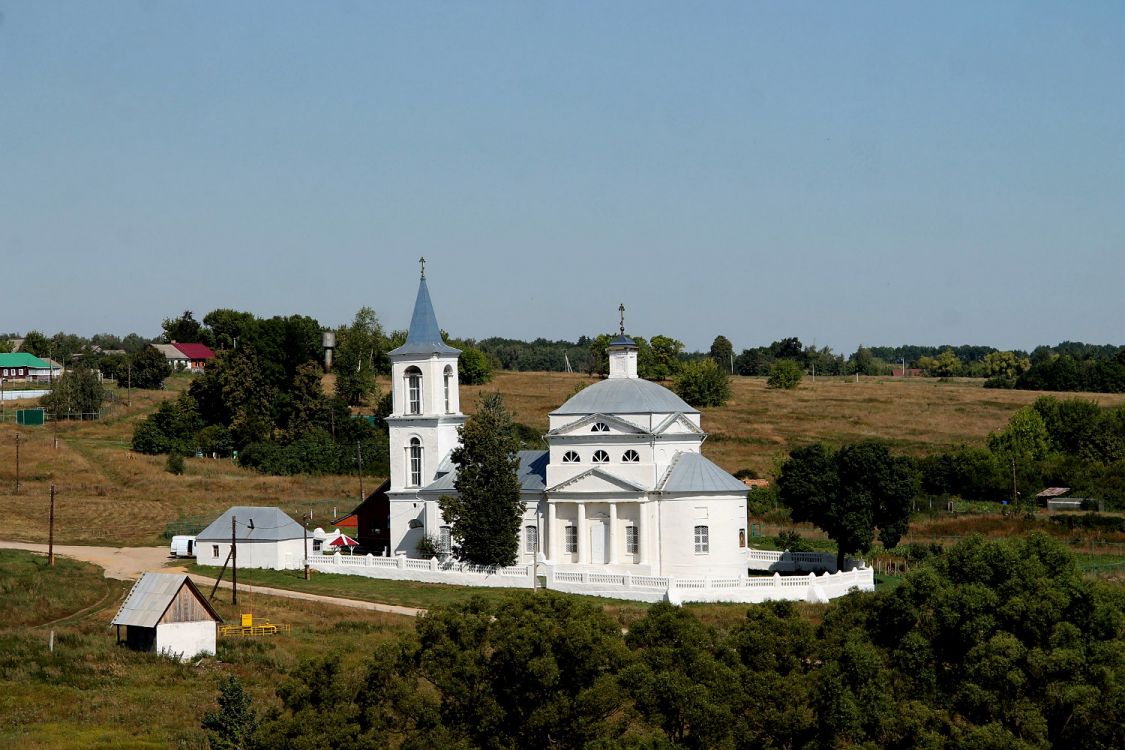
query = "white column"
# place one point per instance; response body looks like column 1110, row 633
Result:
column 552, row 534
column 583, row 540
column 642, row 533
column 613, row 533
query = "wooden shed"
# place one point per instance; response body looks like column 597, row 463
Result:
column 166, row 613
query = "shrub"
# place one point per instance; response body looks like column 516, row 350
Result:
column 175, row 463
column 702, row 383
column 785, row 374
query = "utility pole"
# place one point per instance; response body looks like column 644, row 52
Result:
column 2, row 405
column 305, row 522
column 51, row 530
column 233, row 564
column 1015, row 490
column 732, row 362
column 359, row 462
column 130, row 381
column 55, row 423
column 18, row 437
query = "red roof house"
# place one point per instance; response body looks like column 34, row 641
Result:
column 198, row 354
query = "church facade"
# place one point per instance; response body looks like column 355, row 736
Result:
column 621, row 487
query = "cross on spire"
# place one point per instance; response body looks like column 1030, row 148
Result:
column 422, row 261
column 621, row 309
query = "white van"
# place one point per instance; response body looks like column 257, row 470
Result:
column 182, row 546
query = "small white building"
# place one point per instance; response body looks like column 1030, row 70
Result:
column 165, row 613
column 264, row 537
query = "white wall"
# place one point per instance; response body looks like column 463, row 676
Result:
column 186, row 640
column 722, row 515
column 270, row 555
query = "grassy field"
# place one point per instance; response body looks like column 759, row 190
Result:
column 109, row 495
column 91, row 693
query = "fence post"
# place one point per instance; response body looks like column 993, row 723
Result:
column 433, row 564
column 627, row 580
column 368, row 560
column 400, row 562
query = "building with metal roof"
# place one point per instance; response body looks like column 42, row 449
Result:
column 264, row 537
column 622, row 485
column 166, row 613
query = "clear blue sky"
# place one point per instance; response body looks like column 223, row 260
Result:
column 848, row 173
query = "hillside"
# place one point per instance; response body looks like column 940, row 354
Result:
column 107, row 494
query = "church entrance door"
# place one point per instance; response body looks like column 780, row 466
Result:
column 598, row 531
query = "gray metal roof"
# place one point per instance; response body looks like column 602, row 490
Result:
column 268, row 524
column 691, row 472
column 424, row 336
column 169, row 351
column 532, row 474
column 150, row 597
column 622, row 340
column 625, row 396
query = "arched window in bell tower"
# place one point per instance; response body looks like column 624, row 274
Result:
column 415, row 462
column 448, row 387
column 413, row 390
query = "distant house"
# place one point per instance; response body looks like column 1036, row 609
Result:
column 197, row 355
column 50, row 371
column 177, row 359
column 1051, row 493
column 165, row 613
column 264, row 536
column 370, row 523
column 756, row 484
column 21, row 366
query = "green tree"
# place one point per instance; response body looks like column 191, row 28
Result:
column 473, row 367
column 37, row 344
column 702, row 383
column 1023, row 441
column 227, row 326
column 665, row 357
column 184, row 329
column 1005, row 365
column 232, row 724
column 487, row 510
column 360, row 353
column 77, row 394
column 248, row 395
column 849, row 493
column 149, row 368
column 721, row 351
column 785, row 374
column 305, row 400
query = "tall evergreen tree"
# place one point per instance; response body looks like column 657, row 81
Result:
column 486, row 513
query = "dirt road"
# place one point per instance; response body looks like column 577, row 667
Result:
column 128, row 563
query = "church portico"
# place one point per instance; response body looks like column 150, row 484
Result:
column 602, row 532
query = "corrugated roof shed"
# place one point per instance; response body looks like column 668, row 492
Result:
column 691, row 472
column 149, row 599
column 253, row 524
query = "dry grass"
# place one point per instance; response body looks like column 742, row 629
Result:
column 107, row 494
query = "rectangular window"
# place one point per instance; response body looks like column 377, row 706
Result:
column 446, row 543
column 702, row 545
column 571, row 538
column 531, row 539
column 316, row 544
column 214, row 547
column 632, row 540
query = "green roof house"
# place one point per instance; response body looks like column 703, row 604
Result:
column 22, row 366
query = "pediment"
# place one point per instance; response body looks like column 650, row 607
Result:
column 596, row 481
column 616, row 425
column 677, row 424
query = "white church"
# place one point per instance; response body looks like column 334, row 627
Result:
column 622, row 486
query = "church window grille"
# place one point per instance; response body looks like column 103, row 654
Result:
column 632, row 540
column 601, row 457
column 571, row 538
column 414, row 390
column 702, row 543
column 531, row 539
column 570, row 457
column 415, row 462
column 600, row 427
column 445, row 540
column 631, row 457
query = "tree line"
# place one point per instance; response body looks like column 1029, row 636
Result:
column 991, row 644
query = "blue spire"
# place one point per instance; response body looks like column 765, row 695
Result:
column 424, row 336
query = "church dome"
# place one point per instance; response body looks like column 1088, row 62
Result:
column 625, row 396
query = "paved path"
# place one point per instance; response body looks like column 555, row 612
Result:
column 128, row 563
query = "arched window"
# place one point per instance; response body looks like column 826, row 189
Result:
column 599, row 427
column 570, row 457
column 702, row 540
column 448, row 387
column 531, row 539
column 631, row 457
column 601, row 457
column 413, row 390
column 415, row 462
